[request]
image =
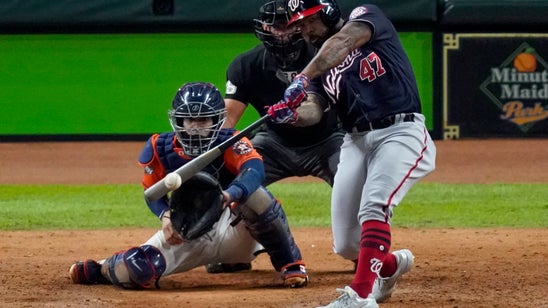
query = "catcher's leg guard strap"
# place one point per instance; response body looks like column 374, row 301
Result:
column 271, row 230
column 135, row 268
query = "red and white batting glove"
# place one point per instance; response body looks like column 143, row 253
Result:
column 296, row 92
column 281, row 113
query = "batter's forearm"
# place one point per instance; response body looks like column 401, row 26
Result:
column 335, row 50
column 332, row 53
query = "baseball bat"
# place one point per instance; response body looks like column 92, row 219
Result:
column 159, row 189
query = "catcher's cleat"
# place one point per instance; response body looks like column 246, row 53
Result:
column 350, row 299
column 87, row 272
column 384, row 287
column 216, row 268
column 294, row 275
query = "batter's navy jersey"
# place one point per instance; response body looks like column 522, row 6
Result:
column 375, row 80
column 254, row 78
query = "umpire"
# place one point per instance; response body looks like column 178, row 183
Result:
column 259, row 77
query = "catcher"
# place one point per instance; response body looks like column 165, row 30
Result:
column 221, row 215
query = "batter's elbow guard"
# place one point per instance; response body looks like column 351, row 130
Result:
column 136, row 268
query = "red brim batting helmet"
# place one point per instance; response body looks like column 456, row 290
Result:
column 305, row 13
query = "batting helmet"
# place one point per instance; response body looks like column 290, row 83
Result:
column 202, row 103
column 330, row 12
column 271, row 29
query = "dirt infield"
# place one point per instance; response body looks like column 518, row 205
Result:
column 454, row 267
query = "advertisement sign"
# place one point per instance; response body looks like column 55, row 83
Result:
column 495, row 85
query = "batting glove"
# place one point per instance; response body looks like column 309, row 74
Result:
column 281, row 113
column 296, row 92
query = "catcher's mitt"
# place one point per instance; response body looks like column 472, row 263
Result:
column 196, row 205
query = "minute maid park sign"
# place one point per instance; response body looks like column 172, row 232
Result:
column 519, row 87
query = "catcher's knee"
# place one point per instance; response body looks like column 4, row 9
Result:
column 135, row 268
column 260, row 201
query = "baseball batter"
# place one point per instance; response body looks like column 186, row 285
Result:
column 363, row 71
column 248, row 220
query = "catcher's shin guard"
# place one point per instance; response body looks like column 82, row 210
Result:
column 135, row 268
column 270, row 228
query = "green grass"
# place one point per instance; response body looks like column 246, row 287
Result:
column 53, row 207
column 73, row 207
column 475, row 205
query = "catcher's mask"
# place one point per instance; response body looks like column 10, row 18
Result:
column 284, row 43
column 198, row 112
column 196, row 205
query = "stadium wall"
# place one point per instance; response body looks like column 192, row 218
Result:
column 98, row 70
